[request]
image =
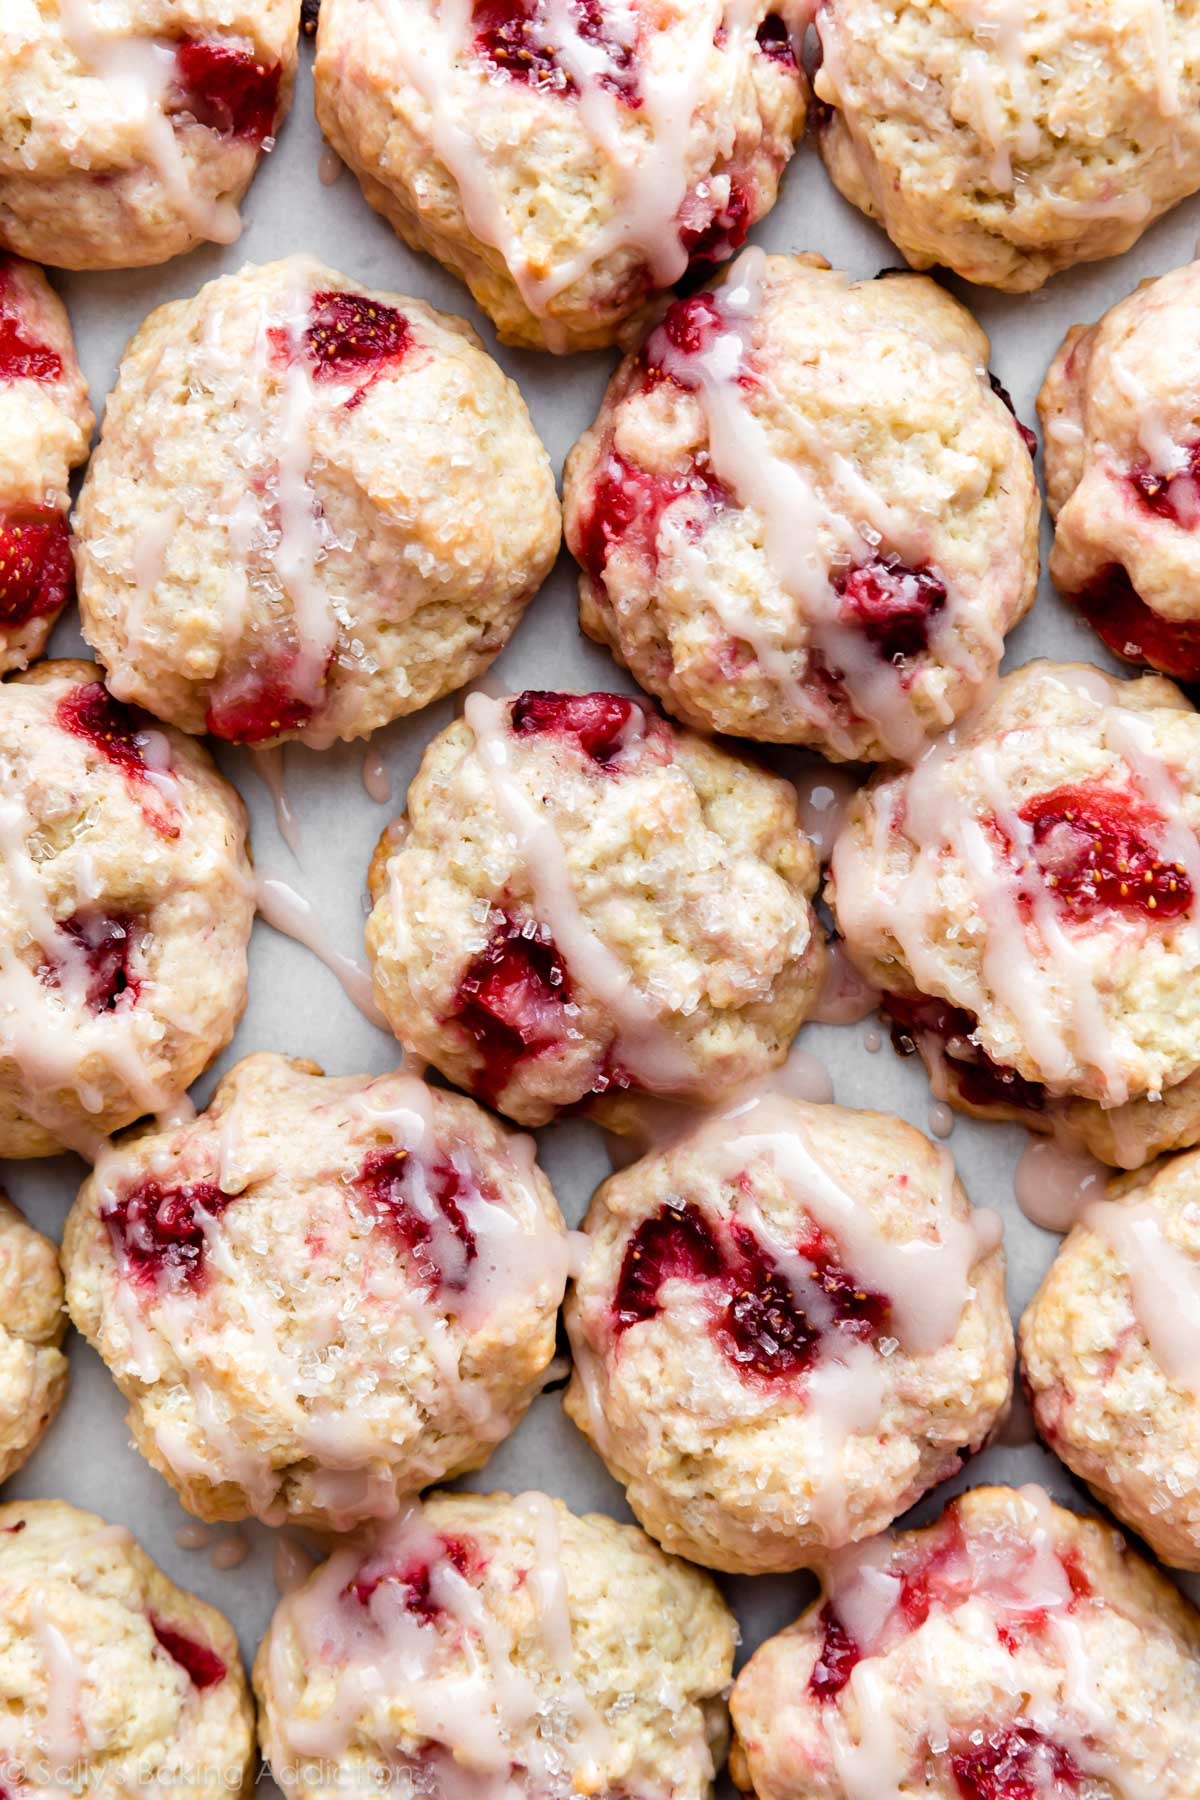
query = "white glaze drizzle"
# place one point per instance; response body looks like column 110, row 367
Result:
column 1164, row 1284
column 289, row 912
column 1003, row 1576
column 1055, row 1004
column 651, row 165
column 646, row 1048
column 138, row 72
column 270, row 767
column 1056, row 1180
column 802, row 530
column 473, row 1701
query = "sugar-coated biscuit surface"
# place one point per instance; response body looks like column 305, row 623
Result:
column 582, row 900
column 803, row 514
column 566, row 162
column 786, row 1328
column 33, row 1369
column 322, row 1294
column 1037, row 881
column 45, row 428
column 1105, row 1356
column 1010, row 1649
column 314, row 508
column 125, row 912
column 129, row 133
column 114, row 1678
column 1122, row 461
column 1009, row 142
column 483, row 1640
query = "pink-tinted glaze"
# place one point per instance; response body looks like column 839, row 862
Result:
column 1172, row 497
column 155, row 1234
column 597, row 723
column 892, row 604
column 37, row 575
column 386, row 1182
column 1134, row 631
column 203, row 1666
column 227, row 90
column 756, row 1318
column 1014, row 1763
column 1095, row 847
column 413, row 1580
column 506, row 40
column 977, row 1079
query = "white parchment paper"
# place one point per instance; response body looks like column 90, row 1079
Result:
column 297, row 1007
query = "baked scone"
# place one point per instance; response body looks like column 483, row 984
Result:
column 45, row 428
column 321, row 1294
column 805, row 512
column 1118, row 411
column 33, row 1369
column 125, row 912
column 130, row 132
column 582, row 902
column 1012, row 1651
column 1009, row 141
column 1026, row 899
column 568, row 159
column 786, row 1327
column 479, row 1644
column 1110, row 1353
column 313, row 508
column 114, row 1679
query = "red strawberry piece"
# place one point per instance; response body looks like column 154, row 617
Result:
column 1096, row 850
column 627, row 508
column 597, row 722
column 510, row 1002
column 1015, row 1763
column 775, row 40
column 89, row 711
column 837, row 1659
column 257, row 706
column 1174, row 497
column 201, row 1663
column 512, row 36
column 351, row 335
column 413, row 1579
column 107, row 944
column 37, row 575
column 21, row 357
column 156, row 1234
column 978, row 1080
column 893, row 604
column 228, row 90
column 1134, row 631
column 400, row 1188
column 723, row 232
column 1002, row 393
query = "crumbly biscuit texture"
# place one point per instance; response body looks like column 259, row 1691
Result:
column 583, row 903
column 1026, row 898
column 33, row 1369
column 321, row 1295
column 129, row 134
column 314, row 508
column 1122, row 469
column 806, row 513
column 568, row 161
column 125, row 912
column 519, row 1646
column 1010, row 1649
column 45, row 428
column 112, row 1674
column 1009, row 142
column 1109, row 1349
column 786, row 1328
